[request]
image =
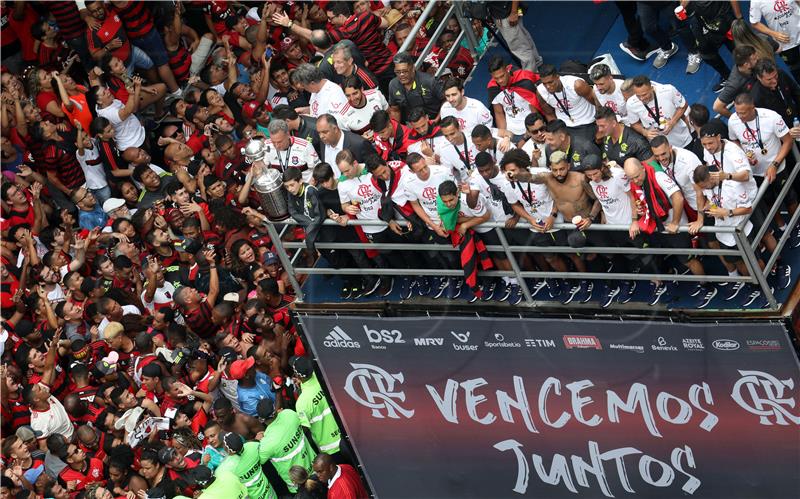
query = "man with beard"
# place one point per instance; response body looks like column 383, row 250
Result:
column 573, row 200
column 620, row 142
column 361, row 105
column 90, row 215
column 558, row 138
column 469, row 112
column 281, row 90
column 428, row 138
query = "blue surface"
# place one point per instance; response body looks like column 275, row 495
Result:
column 589, row 30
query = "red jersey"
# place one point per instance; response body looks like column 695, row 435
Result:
column 92, row 473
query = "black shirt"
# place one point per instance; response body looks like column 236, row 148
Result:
column 630, row 145
column 307, row 130
column 326, row 63
column 784, row 100
column 735, row 84
column 425, row 92
column 578, row 149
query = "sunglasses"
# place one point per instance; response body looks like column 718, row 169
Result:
column 538, row 130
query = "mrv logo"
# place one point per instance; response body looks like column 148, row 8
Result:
column 429, row 342
column 337, row 338
column 380, row 338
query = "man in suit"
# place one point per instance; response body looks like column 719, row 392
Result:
column 333, row 139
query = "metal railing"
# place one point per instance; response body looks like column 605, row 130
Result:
column 745, row 249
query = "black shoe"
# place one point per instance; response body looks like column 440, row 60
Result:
column 752, row 293
column 697, row 290
column 346, row 293
column 571, row 293
column 516, row 295
column 456, row 288
column 627, row 288
column 503, row 291
column 657, row 293
column 386, row 286
column 488, row 291
column 439, row 287
column 719, row 86
column 424, row 287
column 474, row 295
column 371, row 284
column 357, row 291
column 555, row 288
column 734, row 290
column 704, row 298
column 638, row 54
column 609, row 293
column 783, row 275
column 407, row 288
column 585, row 291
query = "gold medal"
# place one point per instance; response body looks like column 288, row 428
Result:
column 764, row 151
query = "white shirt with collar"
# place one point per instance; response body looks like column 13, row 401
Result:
column 332, row 151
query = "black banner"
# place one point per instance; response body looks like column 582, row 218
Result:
column 485, row 407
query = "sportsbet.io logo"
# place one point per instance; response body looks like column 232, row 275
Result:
column 337, row 338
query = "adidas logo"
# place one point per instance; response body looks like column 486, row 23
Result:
column 337, row 338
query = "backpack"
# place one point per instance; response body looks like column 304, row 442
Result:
column 486, row 11
column 574, row 68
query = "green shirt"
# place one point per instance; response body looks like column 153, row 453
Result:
column 285, row 445
column 247, row 467
column 315, row 414
column 225, row 486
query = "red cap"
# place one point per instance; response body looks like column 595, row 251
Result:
column 249, row 109
column 287, row 42
column 240, row 367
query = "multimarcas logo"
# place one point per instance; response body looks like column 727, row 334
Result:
column 628, row 348
column 579, row 341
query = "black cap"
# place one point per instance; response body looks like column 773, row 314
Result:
column 200, row 475
column 265, row 408
column 152, row 370
column 302, row 366
column 233, row 442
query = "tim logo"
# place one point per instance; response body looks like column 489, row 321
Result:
column 602, row 192
column 375, row 388
column 767, row 397
column 781, row 6
column 429, row 193
column 364, row 191
column 575, row 341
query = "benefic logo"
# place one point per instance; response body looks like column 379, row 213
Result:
column 663, row 346
column 462, row 339
column 378, row 338
column 627, row 348
column 578, row 341
column 429, row 342
column 726, row 345
column 764, row 345
column 693, row 344
column 537, row 343
column 337, row 338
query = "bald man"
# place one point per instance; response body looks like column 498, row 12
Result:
column 342, row 479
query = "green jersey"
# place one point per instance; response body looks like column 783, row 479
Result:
column 315, row 414
column 285, row 445
column 247, row 467
column 225, row 486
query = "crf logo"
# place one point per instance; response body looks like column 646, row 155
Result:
column 781, row 6
column 612, row 105
column 429, row 193
column 461, row 123
column 377, row 389
column 314, row 108
column 365, row 191
column 749, row 136
column 602, row 192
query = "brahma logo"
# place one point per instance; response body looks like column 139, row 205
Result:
column 726, row 345
column 577, row 341
column 337, row 338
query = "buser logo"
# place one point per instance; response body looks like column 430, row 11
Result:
column 337, row 338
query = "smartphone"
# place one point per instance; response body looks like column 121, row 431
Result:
column 268, row 53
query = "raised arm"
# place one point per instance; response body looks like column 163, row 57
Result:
column 282, row 19
column 133, row 101
column 213, row 285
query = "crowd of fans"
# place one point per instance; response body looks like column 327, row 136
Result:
column 148, row 346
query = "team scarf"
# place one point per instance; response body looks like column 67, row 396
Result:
column 472, row 250
column 649, row 221
column 522, row 82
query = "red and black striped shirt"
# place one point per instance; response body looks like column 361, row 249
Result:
column 180, row 61
column 60, row 158
column 69, row 21
column 365, row 31
column 199, row 321
column 136, row 17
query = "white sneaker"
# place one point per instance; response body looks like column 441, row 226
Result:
column 693, row 64
column 663, row 56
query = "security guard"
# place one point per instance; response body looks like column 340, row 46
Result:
column 412, row 88
column 620, row 142
column 313, row 408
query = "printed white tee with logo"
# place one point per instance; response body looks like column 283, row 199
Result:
column 330, row 99
column 299, row 154
column 570, row 107
column 473, row 114
column 614, row 101
column 453, row 157
column 360, row 191
column 536, row 198
column 531, row 145
column 765, row 131
column 478, row 183
column 515, row 108
column 614, row 198
column 356, row 119
column 425, row 191
column 780, row 15
column 670, row 100
column 733, row 160
column 478, row 211
column 681, row 171
column 730, row 195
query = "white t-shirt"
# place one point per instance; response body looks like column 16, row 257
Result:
column 495, row 151
column 669, row 187
column 780, row 15
column 473, row 114
column 162, row 298
column 670, row 100
column 453, row 157
column 529, row 146
column 767, row 127
column 570, row 107
column 361, row 191
column 92, row 167
column 536, row 198
column 436, row 143
column 478, row 183
column 275, row 99
column 129, row 132
column 356, row 119
column 681, row 171
column 126, row 310
column 425, row 191
column 733, row 159
column 614, row 198
column 330, row 99
column 614, row 101
column 300, row 154
column 730, row 195
column 478, row 211
column 54, row 420
column 516, row 108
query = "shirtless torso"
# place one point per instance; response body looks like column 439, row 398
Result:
column 573, row 196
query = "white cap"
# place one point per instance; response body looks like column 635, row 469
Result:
column 112, row 204
column 231, row 297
